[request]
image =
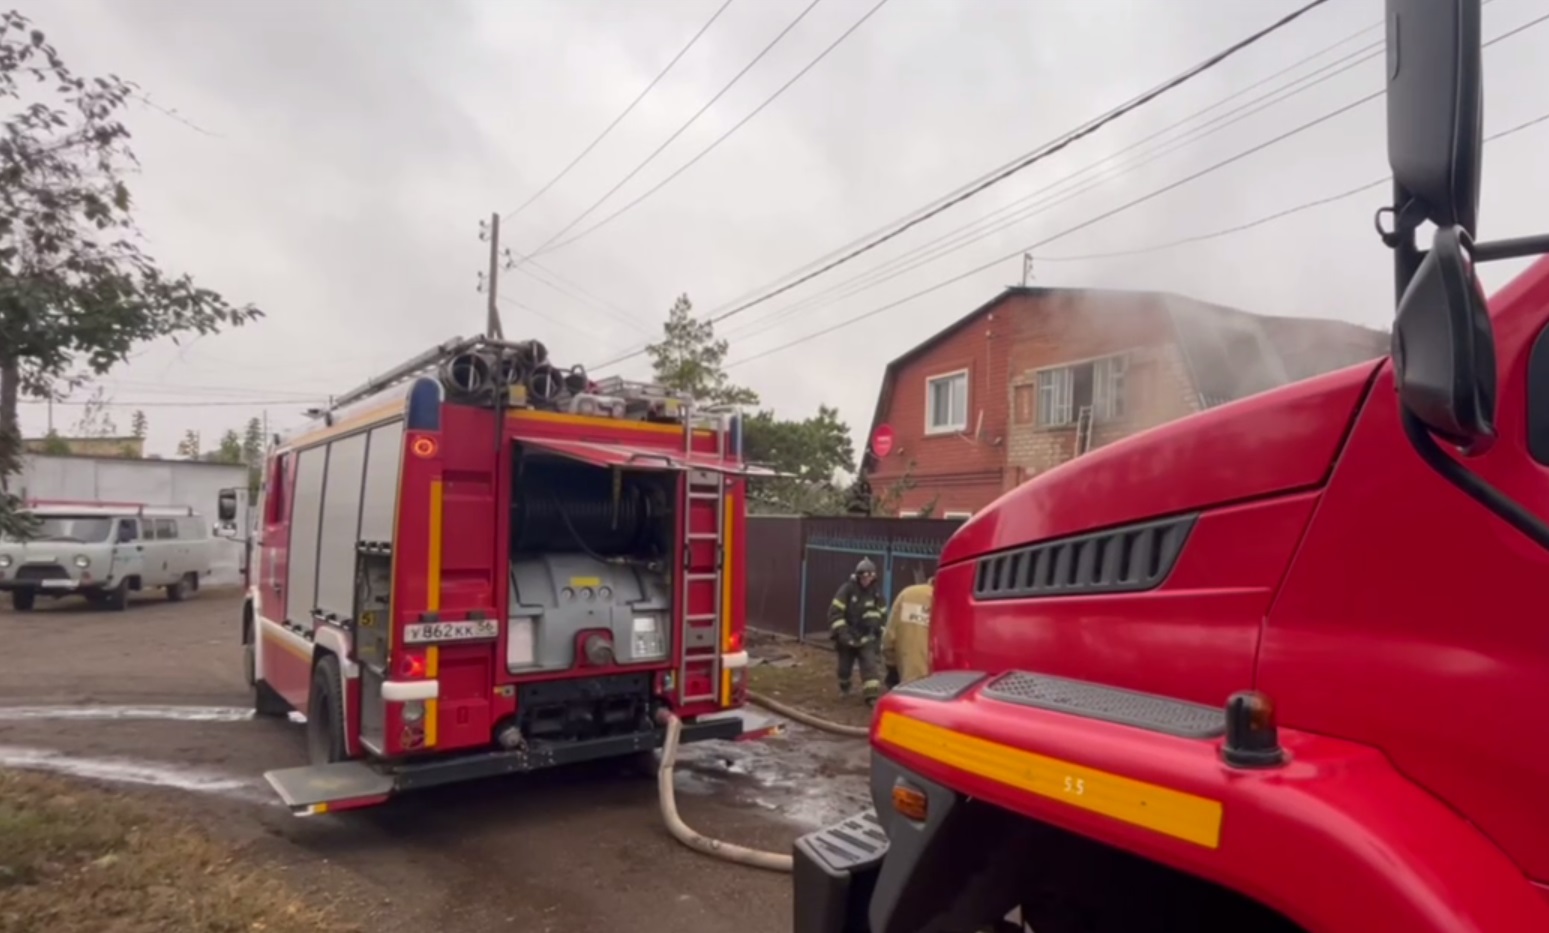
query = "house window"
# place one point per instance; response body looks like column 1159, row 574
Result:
column 908, row 513
column 1022, row 404
column 962, row 515
column 1098, row 385
column 946, row 403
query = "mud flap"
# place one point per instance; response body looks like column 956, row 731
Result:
column 835, row 874
column 343, row 785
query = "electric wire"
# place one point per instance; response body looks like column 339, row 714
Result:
column 1049, row 149
column 676, row 133
column 1043, row 151
column 1123, row 207
column 724, row 136
column 618, row 119
column 1270, row 218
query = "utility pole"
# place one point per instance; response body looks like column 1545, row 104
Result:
column 1027, row 268
column 491, row 233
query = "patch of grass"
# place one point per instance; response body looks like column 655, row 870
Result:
column 73, row 857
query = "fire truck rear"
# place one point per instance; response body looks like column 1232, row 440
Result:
column 1280, row 665
column 479, row 564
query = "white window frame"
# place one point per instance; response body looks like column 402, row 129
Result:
column 1058, row 384
column 908, row 513
column 930, row 402
column 964, row 515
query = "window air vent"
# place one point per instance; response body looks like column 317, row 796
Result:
column 1120, row 560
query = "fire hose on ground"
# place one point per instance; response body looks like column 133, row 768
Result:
column 667, row 796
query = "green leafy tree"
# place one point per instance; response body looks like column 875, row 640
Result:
column 139, row 426
column 690, row 359
column 77, row 289
column 188, row 447
column 814, row 452
column 96, row 420
column 230, row 449
column 253, row 455
column 54, row 445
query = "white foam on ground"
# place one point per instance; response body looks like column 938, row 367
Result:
column 111, row 713
column 125, row 771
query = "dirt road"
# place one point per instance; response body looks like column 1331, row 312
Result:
column 153, row 697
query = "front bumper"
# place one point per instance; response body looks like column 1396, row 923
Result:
column 56, row 587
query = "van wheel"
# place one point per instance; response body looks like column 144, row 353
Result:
column 117, row 599
column 175, row 591
column 23, row 600
column 325, row 714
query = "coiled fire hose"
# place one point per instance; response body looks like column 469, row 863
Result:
column 667, row 796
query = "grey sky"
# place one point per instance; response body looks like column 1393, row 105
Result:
column 357, row 144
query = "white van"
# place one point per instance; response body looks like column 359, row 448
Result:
column 105, row 551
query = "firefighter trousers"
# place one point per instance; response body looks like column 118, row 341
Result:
column 865, row 653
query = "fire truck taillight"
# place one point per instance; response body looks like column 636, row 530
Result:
column 412, row 664
column 413, row 711
column 910, row 801
column 734, row 641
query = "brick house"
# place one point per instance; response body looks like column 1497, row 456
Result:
column 1038, row 375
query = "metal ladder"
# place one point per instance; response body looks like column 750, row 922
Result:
column 1084, row 421
column 703, row 629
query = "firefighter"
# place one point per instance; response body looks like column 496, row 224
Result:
column 906, row 640
column 855, row 620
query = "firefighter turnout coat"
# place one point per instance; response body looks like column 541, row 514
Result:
column 906, row 641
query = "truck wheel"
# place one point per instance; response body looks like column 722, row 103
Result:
column 117, row 599
column 267, row 703
column 175, row 591
column 23, row 600
column 325, row 714
column 250, row 664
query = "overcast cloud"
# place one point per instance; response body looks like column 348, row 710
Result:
column 346, row 151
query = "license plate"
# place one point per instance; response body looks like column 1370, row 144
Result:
column 472, row 630
column 59, row 584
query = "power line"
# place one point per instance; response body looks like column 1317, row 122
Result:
column 504, row 299
column 577, row 293
column 1278, row 215
column 679, row 131
column 992, row 223
column 724, row 136
column 616, row 120
column 882, row 274
column 1042, row 152
column 1069, row 230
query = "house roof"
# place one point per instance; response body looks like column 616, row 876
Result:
column 1214, row 340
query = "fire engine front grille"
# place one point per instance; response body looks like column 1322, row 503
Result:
column 34, row 573
column 1120, row 560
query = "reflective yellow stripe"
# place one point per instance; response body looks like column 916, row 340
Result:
column 838, row 604
column 433, row 706
column 1160, row 809
column 433, row 564
column 837, row 625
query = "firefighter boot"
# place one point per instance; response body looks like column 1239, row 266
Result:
column 844, row 688
column 869, row 690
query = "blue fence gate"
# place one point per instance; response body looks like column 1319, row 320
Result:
column 905, row 551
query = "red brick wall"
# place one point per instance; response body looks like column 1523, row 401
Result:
column 960, row 472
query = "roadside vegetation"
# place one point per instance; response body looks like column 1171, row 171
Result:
column 73, row 857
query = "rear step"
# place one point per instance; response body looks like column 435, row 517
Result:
column 349, row 785
column 835, row 872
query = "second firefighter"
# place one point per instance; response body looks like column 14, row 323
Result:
column 855, row 619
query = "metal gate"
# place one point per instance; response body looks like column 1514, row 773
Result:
column 905, row 551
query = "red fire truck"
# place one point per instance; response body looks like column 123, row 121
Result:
column 1281, row 665
column 478, row 564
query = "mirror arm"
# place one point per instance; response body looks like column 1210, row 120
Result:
column 1514, row 248
column 1471, row 483
column 1407, row 218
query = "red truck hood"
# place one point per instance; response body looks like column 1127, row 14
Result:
column 1273, row 442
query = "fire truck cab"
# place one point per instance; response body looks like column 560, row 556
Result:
column 1278, row 666
column 479, row 564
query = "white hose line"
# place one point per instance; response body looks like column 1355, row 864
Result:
column 807, row 719
column 771, row 861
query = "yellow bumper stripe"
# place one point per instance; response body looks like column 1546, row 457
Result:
column 1159, row 809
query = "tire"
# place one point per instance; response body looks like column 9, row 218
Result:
column 175, row 591
column 117, row 599
column 23, row 600
column 325, row 714
column 250, row 664
column 267, row 704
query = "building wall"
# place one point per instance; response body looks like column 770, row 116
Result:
column 151, row 482
column 956, row 472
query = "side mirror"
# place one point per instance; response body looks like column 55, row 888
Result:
column 227, row 509
column 1436, row 106
column 1444, row 346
